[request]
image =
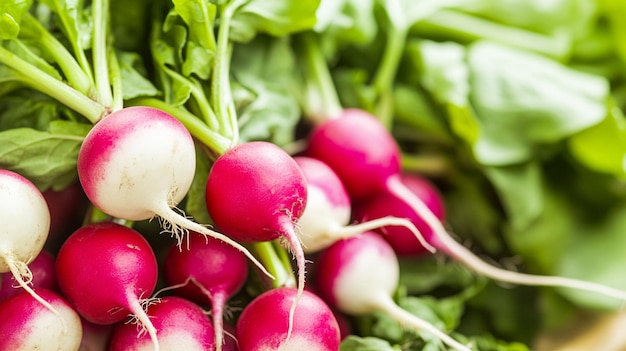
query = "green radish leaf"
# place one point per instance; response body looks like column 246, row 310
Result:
column 47, row 158
column 11, row 12
column 603, row 147
column 355, row 343
column 274, row 17
column 267, row 110
column 133, row 73
column 524, row 101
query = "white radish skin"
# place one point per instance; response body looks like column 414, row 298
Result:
column 27, row 325
column 139, row 163
column 326, row 217
column 25, row 222
column 358, row 276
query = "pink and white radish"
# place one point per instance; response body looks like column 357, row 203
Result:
column 359, row 275
column 263, row 325
column 180, row 325
column 43, row 276
column 138, row 163
column 28, row 325
column 403, row 241
column 256, row 192
column 366, row 158
column 328, row 211
column 208, row 271
column 25, row 222
column 107, row 271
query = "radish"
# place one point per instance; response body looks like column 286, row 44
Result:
column 95, row 336
column 44, row 276
column 106, row 271
column 180, row 325
column 28, row 325
column 256, row 192
column 359, row 275
column 138, row 163
column 328, row 211
column 209, row 271
column 367, row 159
column 386, row 204
column 262, row 324
column 25, row 219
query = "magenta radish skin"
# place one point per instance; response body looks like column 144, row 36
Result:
column 104, row 269
column 26, row 324
column 359, row 149
column 180, row 325
column 384, row 204
column 263, row 324
column 256, row 192
column 135, row 161
column 207, row 271
column 44, row 276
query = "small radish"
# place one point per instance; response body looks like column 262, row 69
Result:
column 209, row 271
column 328, row 210
column 263, row 326
column 359, row 275
column 256, row 192
column 366, row 158
column 27, row 325
column 138, row 163
column 25, row 222
column 180, row 325
column 44, row 276
column 106, row 271
column 386, row 204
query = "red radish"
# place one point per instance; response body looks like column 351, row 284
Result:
column 180, row 325
column 25, row 221
column 138, row 163
column 209, row 271
column 262, row 324
column 256, row 192
column 28, row 325
column 367, row 160
column 386, row 204
column 44, row 276
column 328, row 210
column 359, row 275
column 106, row 271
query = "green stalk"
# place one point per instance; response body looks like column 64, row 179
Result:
column 32, row 29
column 386, row 73
column 320, row 99
column 116, row 82
column 214, row 140
column 221, row 96
column 100, row 10
column 469, row 28
column 274, row 263
column 52, row 87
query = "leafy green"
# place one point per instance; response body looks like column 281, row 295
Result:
column 275, row 17
column 47, row 158
column 11, row 12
